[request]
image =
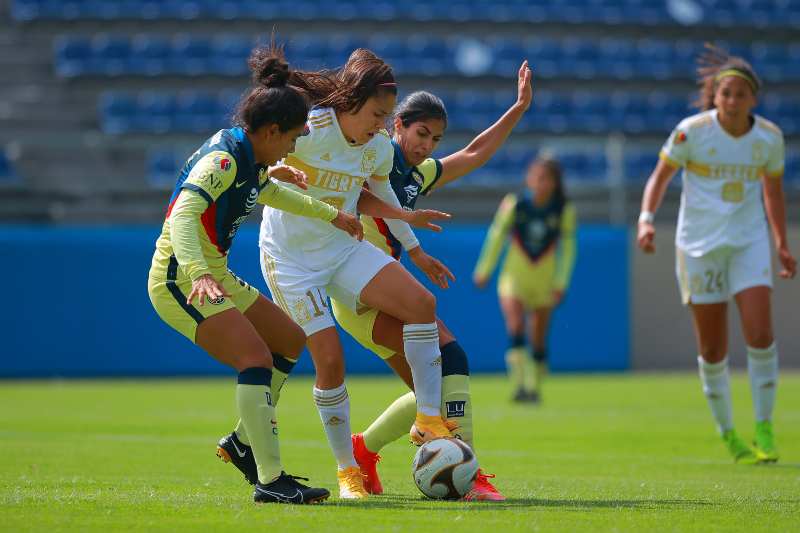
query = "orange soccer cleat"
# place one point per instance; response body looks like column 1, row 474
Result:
column 368, row 462
column 483, row 490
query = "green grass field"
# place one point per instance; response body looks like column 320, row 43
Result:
column 605, row 452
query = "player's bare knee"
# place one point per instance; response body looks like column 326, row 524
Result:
column 423, row 307
column 713, row 355
column 254, row 360
column 761, row 339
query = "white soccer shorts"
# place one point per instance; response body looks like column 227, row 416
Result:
column 723, row 272
column 303, row 293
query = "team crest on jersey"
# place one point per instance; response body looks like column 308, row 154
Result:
column 680, row 137
column 759, row 152
column 417, row 177
column 368, row 160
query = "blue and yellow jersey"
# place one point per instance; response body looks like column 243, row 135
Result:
column 408, row 182
column 199, row 228
column 537, row 232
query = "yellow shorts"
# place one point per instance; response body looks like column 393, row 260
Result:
column 531, row 283
column 359, row 325
column 168, row 290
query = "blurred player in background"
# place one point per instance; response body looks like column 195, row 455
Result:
column 536, row 271
column 732, row 161
column 304, row 261
column 419, row 124
column 218, row 187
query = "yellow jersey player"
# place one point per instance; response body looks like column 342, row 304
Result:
column 732, row 163
column 419, row 124
column 536, row 271
column 192, row 289
column 303, row 261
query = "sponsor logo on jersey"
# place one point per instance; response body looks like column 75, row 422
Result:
column 417, row 177
column 455, row 409
column 368, row 159
column 216, row 301
column 411, row 191
column 225, row 163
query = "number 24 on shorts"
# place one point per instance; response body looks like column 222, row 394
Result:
column 711, row 281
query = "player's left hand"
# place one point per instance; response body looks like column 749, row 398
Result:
column 423, row 218
column 288, row 174
column 788, row 262
column 524, row 86
column 432, row 267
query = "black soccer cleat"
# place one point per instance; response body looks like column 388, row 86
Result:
column 286, row 489
column 231, row 450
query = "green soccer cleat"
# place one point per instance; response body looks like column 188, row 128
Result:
column 741, row 452
column 764, row 442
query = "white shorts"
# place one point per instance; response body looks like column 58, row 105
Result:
column 303, row 293
column 723, row 272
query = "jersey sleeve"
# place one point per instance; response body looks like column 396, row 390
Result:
column 566, row 249
column 383, row 166
column 774, row 167
column 496, row 238
column 185, row 228
column 676, row 150
column 295, row 203
column 211, row 175
column 431, row 170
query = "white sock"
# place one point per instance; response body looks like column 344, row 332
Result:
column 762, row 365
column 714, row 377
column 334, row 411
column 421, row 344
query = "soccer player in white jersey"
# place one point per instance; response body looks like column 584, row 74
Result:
column 304, row 262
column 731, row 159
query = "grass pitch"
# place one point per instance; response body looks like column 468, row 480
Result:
column 632, row 452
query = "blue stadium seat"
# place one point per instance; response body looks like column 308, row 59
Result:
column 198, row 112
column 118, row 112
column 112, row 53
column 229, row 55
column 589, row 112
column 73, row 56
column 150, row 55
column 8, row 174
column 191, row 55
column 156, row 113
column 639, row 165
column 545, row 57
column 162, row 169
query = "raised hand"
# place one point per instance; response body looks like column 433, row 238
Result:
column 524, row 86
column 423, row 218
column 432, row 267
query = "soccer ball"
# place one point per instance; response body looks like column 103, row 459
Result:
column 445, row 468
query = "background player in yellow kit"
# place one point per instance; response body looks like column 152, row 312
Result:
column 419, row 124
column 191, row 288
column 536, row 271
column 732, row 164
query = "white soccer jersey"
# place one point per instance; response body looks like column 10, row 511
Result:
column 336, row 171
column 721, row 203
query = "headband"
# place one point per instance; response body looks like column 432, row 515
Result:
column 736, row 72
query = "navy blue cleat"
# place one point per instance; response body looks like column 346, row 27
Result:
column 286, row 489
column 231, row 450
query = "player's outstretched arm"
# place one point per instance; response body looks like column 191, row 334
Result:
column 371, row 205
column 484, row 146
column 436, row 271
column 776, row 214
column 653, row 194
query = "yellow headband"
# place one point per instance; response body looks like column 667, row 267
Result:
column 736, row 72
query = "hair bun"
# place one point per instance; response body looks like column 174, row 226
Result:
column 269, row 67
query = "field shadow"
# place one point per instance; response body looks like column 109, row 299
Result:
column 390, row 501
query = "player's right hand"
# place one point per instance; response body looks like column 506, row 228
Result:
column 349, row 224
column 423, row 218
column 524, row 88
column 206, row 287
column 645, row 237
column 788, row 262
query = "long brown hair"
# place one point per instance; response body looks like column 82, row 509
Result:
column 553, row 167
column 346, row 90
column 713, row 62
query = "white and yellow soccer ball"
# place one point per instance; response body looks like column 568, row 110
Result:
column 445, row 469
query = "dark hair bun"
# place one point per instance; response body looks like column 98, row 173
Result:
column 269, row 67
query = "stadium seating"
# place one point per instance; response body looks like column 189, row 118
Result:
column 8, row 174
column 581, row 58
column 759, row 13
column 468, row 110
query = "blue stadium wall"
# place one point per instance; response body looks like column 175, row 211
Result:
column 77, row 305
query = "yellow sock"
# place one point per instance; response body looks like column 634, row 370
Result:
column 457, row 405
column 258, row 418
column 280, row 372
column 392, row 424
column 515, row 360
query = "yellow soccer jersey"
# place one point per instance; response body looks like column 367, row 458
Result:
column 336, row 172
column 721, row 201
